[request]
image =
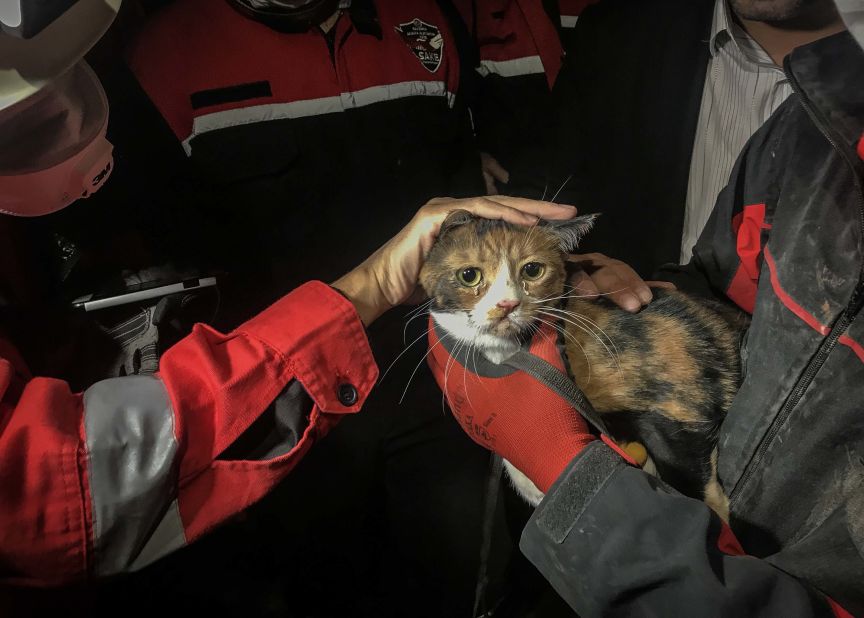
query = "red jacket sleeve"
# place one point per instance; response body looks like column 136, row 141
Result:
column 111, row 479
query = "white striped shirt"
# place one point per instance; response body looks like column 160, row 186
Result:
column 742, row 89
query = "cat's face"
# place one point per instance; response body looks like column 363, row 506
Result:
column 490, row 281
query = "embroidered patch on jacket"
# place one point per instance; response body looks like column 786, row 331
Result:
column 424, row 40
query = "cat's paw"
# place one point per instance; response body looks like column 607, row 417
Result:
column 522, row 484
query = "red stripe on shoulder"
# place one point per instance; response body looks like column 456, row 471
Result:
column 837, row 610
column 747, row 227
column 176, row 55
column 742, row 290
column 787, row 300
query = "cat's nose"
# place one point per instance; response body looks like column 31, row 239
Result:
column 508, row 305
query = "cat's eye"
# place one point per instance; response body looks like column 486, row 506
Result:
column 470, row 277
column 533, row 271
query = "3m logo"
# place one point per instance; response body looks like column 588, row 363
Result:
column 98, row 178
column 425, row 41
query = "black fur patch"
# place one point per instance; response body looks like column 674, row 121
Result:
column 681, row 452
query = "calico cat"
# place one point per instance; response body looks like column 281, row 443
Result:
column 663, row 377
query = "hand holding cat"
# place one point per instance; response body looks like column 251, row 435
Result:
column 389, row 276
column 512, row 413
column 602, row 275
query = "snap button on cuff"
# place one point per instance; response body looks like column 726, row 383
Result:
column 347, row 395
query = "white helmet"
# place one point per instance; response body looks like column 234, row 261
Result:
column 53, row 110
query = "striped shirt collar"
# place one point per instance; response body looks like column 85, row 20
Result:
column 725, row 31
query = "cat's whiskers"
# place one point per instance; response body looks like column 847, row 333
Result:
column 476, row 372
column 572, row 338
column 465, row 374
column 450, row 360
column 419, row 307
column 546, row 336
column 444, row 388
column 405, row 329
column 586, row 319
column 587, row 329
column 531, row 228
column 561, row 188
column 460, row 345
column 587, row 326
column 591, row 295
column 401, row 354
column 564, row 332
column 413, row 373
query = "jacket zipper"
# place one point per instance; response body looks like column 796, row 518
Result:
column 840, row 325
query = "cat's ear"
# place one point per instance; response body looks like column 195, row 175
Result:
column 571, row 232
column 454, row 220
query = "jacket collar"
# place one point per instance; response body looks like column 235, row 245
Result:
column 829, row 73
column 364, row 16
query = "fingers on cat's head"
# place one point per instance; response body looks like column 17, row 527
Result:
column 569, row 233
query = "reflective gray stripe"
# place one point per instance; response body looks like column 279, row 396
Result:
column 131, row 450
column 569, row 21
column 261, row 113
column 315, row 107
column 528, row 65
column 401, row 90
column 169, row 536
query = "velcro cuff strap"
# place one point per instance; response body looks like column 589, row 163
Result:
column 571, row 494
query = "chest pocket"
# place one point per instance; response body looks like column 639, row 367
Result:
column 255, row 188
column 245, row 151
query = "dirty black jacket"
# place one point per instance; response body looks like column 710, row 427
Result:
column 786, row 242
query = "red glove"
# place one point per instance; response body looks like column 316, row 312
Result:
column 509, row 411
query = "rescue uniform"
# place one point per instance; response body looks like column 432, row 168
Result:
column 298, row 143
column 784, row 242
column 518, row 58
column 111, row 479
column 282, row 157
column 569, row 11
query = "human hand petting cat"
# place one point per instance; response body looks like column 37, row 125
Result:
column 601, row 275
column 388, row 277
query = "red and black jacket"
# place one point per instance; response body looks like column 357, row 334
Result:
column 569, row 12
column 518, row 56
column 786, row 243
column 115, row 477
column 298, row 153
column 235, row 147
